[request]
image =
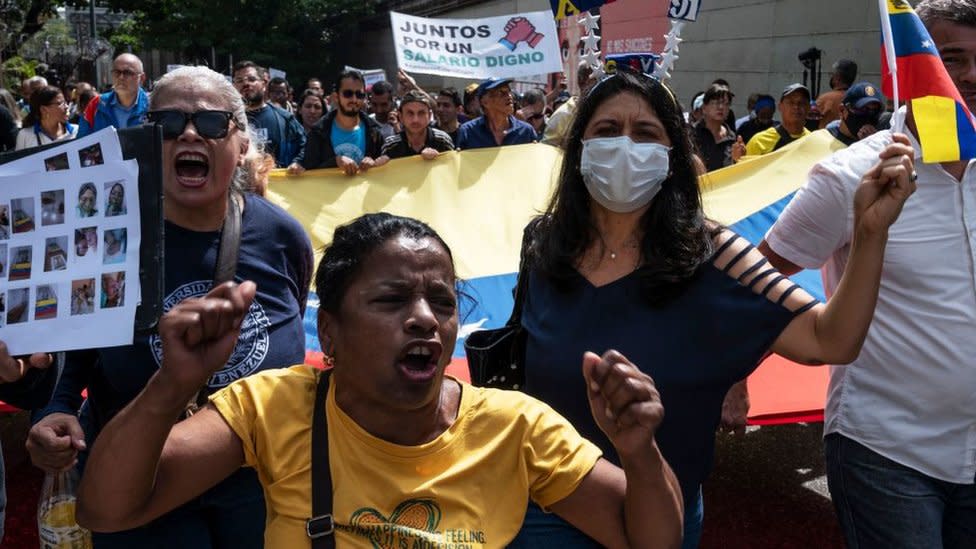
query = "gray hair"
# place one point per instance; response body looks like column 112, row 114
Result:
column 962, row 12
column 173, row 82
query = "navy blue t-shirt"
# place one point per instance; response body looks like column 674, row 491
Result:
column 695, row 347
column 275, row 253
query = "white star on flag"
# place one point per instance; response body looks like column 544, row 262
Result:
column 592, row 58
column 589, row 21
column 926, row 44
column 590, row 41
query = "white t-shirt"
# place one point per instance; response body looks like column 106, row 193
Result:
column 911, row 394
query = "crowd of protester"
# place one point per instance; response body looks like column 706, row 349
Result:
column 677, row 312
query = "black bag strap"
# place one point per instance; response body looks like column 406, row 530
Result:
column 226, row 268
column 321, row 527
column 784, row 137
column 522, row 284
column 230, row 243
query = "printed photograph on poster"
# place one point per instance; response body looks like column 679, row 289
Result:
column 3, row 260
column 4, row 222
column 87, row 200
column 23, row 214
column 114, row 241
column 18, row 303
column 56, row 254
column 3, row 309
column 83, row 296
column 20, row 263
column 91, row 156
column 113, row 290
column 56, row 162
column 52, row 208
column 46, row 304
column 114, row 199
column 86, row 244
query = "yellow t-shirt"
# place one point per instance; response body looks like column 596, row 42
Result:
column 467, row 488
column 766, row 140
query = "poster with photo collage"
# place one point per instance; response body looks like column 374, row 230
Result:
column 69, row 253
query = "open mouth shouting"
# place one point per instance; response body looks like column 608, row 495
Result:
column 192, row 169
column 419, row 360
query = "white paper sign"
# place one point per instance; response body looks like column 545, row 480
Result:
column 507, row 46
column 100, row 147
column 371, row 76
column 69, row 256
column 686, row 10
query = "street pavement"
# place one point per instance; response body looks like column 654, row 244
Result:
column 768, row 490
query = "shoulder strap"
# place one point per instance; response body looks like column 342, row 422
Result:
column 522, row 285
column 784, row 137
column 230, row 243
column 321, row 527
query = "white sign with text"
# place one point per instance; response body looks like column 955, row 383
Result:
column 507, row 46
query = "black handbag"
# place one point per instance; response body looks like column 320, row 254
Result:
column 496, row 357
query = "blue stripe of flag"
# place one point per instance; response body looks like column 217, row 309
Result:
column 910, row 35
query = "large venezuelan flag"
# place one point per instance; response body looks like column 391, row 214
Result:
column 480, row 200
column 946, row 128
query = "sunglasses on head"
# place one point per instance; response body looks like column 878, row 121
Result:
column 209, row 124
column 349, row 93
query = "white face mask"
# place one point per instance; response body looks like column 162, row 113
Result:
column 621, row 175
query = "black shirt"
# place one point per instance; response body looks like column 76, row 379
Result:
column 715, row 154
column 398, row 146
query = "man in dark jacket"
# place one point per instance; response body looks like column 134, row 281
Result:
column 345, row 137
column 281, row 134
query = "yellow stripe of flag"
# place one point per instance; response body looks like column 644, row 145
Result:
column 935, row 118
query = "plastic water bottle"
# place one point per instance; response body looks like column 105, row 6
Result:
column 56, row 523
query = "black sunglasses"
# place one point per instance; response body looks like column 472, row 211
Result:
column 209, row 124
column 349, row 93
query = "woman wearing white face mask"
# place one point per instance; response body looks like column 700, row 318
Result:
column 625, row 259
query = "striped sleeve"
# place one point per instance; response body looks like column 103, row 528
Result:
column 739, row 259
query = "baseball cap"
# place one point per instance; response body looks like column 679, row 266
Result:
column 491, row 84
column 861, row 95
column 793, row 88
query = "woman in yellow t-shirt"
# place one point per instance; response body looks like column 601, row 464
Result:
column 418, row 459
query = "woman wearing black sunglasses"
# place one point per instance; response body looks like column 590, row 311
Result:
column 206, row 138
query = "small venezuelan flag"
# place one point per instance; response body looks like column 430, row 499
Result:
column 946, row 129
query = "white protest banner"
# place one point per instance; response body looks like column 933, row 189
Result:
column 371, row 76
column 277, row 73
column 507, row 46
column 686, row 10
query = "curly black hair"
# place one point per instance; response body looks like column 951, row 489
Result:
column 353, row 242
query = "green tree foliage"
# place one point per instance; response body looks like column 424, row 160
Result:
column 301, row 37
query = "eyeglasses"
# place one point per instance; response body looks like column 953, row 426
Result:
column 358, row 93
column 209, row 124
column 246, row 79
column 124, row 73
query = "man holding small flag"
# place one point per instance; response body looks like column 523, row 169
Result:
column 900, row 421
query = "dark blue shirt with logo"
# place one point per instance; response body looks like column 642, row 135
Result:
column 275, row 253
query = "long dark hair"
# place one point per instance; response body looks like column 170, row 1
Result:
column 38, row 99
column 677, row 238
